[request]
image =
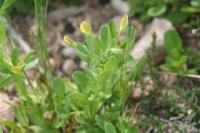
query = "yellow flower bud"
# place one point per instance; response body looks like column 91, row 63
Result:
column 123, row 22
column 85, row 27
column 69, row 41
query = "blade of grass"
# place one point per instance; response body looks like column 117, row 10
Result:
column 40, row 15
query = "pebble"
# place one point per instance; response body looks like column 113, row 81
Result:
column 137, row 93
column 68, row 66
column 69, row 52
column 54, row 63
column 83, row 65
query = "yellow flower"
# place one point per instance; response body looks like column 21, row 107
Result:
column 69, row 41
column 123, row 22
column 85, row 27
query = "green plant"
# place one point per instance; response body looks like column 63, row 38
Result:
column 21, row 6
column 103, row 88
column 177, row 11
column 96, row 101
column 175, row 60
column 37, row 104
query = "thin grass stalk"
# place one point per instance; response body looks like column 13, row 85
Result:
column 41, row 14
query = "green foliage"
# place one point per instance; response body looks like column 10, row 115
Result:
column 103, row 86
column 12, row 67
column 40, row 16
column 156, row 10
column 175, row 61
column 96, row 101
column 181, row 118
column 5, row 5
column 177, row 11
column 21, row 6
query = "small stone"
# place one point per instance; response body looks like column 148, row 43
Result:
column 148, row 80
column 149, row 88
column 137, row 93
column 83, row 65
column 189, row 112
column 68, row 66
column 69, row 52
column 120, row 6
column 52, row 62
column 146, row 92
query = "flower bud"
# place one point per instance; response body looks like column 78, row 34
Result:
column 69, row 41
column 117, row 50
column 123, row 22
column 85, row 27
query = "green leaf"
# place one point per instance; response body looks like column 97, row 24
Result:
column 15, row 56
column 5, row 6
column 156, row 10
column 130, row 36
column 5, row 67
column 112, row 28
column 92, row 108
column 78, row 99
column 190, row 9
column 31, row 64
column 21, row 86
column 59, row 97
column 59, row 88
column 12, row 125
column 177, row 64
column 1, row 53
column 30, row 60
column 2, row 31
column 89, row 128
column 81, row 80
column 109, row 128
column 111, row 115
column 172, row 44
column 106, row 37
column 83, row 52
column 20, row 115
column 178, row 17
column 91, row 45
column 127, row 127
column 5, row 80
column 29, row 57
